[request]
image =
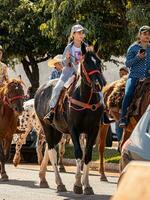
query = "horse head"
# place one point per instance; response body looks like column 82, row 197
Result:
column 91, row 68
column 13, row 95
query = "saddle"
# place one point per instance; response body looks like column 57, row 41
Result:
column 116, row 97
column 66, row 92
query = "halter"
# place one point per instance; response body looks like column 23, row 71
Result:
column 92, row 107
column 8, row 101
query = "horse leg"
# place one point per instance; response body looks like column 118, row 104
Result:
column 43, row 167
column 61, row 154
column 91, row 138
column 19, row 143
column 82, row 143
column 102, row 140
column 4, row 176
column 6, row 147
column 78, row 155
column 40, row 143
column 53, row 158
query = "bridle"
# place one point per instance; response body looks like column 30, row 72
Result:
column 92, row 107
column 8, row 101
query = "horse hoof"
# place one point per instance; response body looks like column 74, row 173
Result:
column 62, row 169
column 4, row 177
column 44, row 184
column 77, row 189
column 61, row 188
column 103, row 178
column 88, row 191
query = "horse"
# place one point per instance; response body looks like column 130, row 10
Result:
column 26, row 122
column 113, row 95
column 11, row 106
column 79, row 110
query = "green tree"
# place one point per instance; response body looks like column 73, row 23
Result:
column 105, row 21
column 21, row 36
column 138, row 14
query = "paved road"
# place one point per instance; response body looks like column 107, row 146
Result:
column 24, row 185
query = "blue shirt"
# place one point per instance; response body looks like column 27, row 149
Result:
column 54, row 74
column 139, row 68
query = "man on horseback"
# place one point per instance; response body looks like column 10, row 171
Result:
column 138, row 61
column 71, row 60
column 3, row 69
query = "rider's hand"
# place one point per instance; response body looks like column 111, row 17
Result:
column 141, row 55
column 68, row 55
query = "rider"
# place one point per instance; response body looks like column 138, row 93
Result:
column 3, row 69
column 138, row 61
column 56, row 65
column 71, row 60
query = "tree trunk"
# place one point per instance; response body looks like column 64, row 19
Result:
column 32, row 73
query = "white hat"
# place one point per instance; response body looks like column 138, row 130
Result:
column 77, row 28
column 56, row 59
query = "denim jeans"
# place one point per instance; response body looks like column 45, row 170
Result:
column 129, row 93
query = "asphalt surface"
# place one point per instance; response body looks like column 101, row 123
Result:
column 23, row 184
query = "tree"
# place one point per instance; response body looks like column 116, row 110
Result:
column 105, row 21
column 138, row 14
column 21, row 36
column 32, row 30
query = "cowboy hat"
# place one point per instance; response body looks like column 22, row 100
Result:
column 56, row 59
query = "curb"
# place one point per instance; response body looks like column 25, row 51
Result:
column 110, row 167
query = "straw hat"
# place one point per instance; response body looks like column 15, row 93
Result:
column 56, row 59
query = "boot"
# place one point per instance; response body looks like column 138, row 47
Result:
column 48, row 119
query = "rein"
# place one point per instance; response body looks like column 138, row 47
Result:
column 92, row 107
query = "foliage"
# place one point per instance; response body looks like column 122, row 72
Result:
column 105, row 21
column 138, row 15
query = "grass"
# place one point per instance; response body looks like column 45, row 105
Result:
column 111, row 155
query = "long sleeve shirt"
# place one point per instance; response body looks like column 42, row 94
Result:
column 139, row 68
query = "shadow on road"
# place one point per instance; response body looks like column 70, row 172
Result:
column 29, row 184
column 71, row 196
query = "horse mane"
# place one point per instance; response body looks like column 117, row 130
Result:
column 113, row 92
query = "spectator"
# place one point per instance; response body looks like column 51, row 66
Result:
column 3, row 69
column 57, row 67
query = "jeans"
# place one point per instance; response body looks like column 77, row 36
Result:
column 119, row 131
column 129, row 93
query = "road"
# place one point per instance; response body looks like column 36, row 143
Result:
column 23, row 184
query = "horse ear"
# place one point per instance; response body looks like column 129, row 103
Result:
column 83, row 48
column 96, row 46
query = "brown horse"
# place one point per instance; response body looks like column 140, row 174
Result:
column 11, row 106
column 116, row 90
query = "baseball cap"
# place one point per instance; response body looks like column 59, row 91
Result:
column 77, row 28
column 144, row 29
column 56, row 59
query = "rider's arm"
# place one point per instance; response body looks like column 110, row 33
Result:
column 65, row 61
column 132, row 58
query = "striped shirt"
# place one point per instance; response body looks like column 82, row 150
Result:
column 139, row 68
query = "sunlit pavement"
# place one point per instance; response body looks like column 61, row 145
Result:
column 23, row 184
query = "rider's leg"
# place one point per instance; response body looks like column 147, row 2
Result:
column 129, row 93
column 54, row 98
